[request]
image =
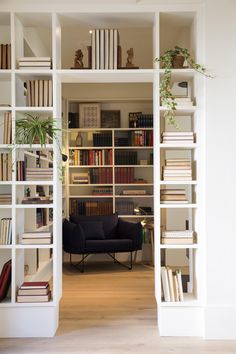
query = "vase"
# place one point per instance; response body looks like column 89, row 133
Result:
column 79, row 140
column 178, row 61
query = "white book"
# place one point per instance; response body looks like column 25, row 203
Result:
column 35, row 68
column 180, row 285
column 177, row 133
column 28, row 93
column 93, row 50
column 181, row 233
column 171, row 285
column 45, row 93
column 115, row 47
column 32, row 92
column 36, row 92
column 35, row 59
column 111, row 49
column 165, row 284
column 40, row 93
column 101, row 47
column 97, row 50
column 176, row 289
column 34, row 63
column 50, row 93
column 106, row 49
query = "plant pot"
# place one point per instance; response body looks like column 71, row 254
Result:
column 178, row 61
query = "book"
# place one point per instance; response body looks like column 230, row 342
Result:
column 179, row 233
column 36, row 241
column 34, row 298
column 170, row 283
column 34, row 285
column 36, row 234
column 97, row 42
column 33, row 291
column 93, row 43
column 35, row 59
column 101, row 49
column 111, row 49
column 180, row 285
column 177, row 241
column 106, row 49
column 5, row 280
column 165, row 284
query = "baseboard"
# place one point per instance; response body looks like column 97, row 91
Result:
column 220, row 322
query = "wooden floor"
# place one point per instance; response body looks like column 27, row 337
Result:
column 110, row 310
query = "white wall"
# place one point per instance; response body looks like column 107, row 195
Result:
column 221, row 169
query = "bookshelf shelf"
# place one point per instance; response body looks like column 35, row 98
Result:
column 34, row 109
column 178, row 146
column 19, row 246
column 26, row 183
column 194, row 246
column 32, row 206
column 178, row 206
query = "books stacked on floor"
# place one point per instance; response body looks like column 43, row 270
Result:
column 172, row 286
column 91, row 157
column 39, row 174
column 177, row 169
column 102, row 139
column 37, row 200
column 184, row 102
column 140, row 120
column 183, row 237
column 38, row 93
column 5, row 280
column 5, row 166
column 35, row 63
column 173, row 196
column 90, row 208
column 177, row 137
column 34, row 292
column 5, row 231
column 134, row 192
column 36, row 238
column 7, row 128
column 106, row 52
column 5, row 56
column 102, row 191
column 124, row 175
column 126, row 157
column 5, row 199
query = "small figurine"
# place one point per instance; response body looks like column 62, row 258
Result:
column 129, row 63
column 78, row 62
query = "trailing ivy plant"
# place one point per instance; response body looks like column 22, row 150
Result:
column 166, row 96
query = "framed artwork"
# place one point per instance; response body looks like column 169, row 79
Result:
column 110, row 119
column 89, row 115
column 181, row 89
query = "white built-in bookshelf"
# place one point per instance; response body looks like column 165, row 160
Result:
column 57, row 35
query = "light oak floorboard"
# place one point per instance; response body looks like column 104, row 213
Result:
column 110, row 310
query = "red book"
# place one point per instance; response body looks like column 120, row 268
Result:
column 5, row 280
column 34, row 285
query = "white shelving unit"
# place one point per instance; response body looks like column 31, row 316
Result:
column 58, row 35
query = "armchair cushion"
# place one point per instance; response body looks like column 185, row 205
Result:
column 109, row 222
column 130, row 230
column 93, row 230
column 73, row 237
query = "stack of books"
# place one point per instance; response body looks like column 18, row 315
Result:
column 81, row 177
column 171, row 285
column 38, row 93
column 106, row 52
column 173, row 196
column 34, row 292
column 177, row 137
column 5, row 199
column 102, row 191
column 7, row 128
column 35, row 63
column 184, row 102
column 183, row 237
column 177, row 169
column 36, row 238
column 37, row 200
column 5, row 56
column 5, row 166
column 5, row 231
column 90, row 208
column 39, row 174
column 5, row 280
column 134, row 192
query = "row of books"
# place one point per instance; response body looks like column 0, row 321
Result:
column 90, row 157
column 126, row 158
column 5, row 56
column 136, row 138
column 105, row 44
column 5, row 199
column 7, row 128
column 177, row 169
column 93, row 176
column 35, row 63
column 5, row 231
column 41, row 217
column 34, row 292
column 39, row 93
column 5, row 166
column 5, row 280
column 124, row 175
column 177, row 137
column 140, row 120
column 177, row 237
column 36, row 238
column 172, row 287
column 173, row 196
column 102, row 191
column 90, row 208
column 125, row 207
column 102, row 139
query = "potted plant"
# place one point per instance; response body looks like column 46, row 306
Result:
column 174, row 59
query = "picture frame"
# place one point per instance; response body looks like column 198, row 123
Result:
column 181, row 88
column 89, row 115
column 110, row 119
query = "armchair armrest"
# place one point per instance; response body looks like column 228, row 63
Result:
column 130, row 230
column 73, row 237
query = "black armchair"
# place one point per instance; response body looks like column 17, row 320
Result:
column 109, row 234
